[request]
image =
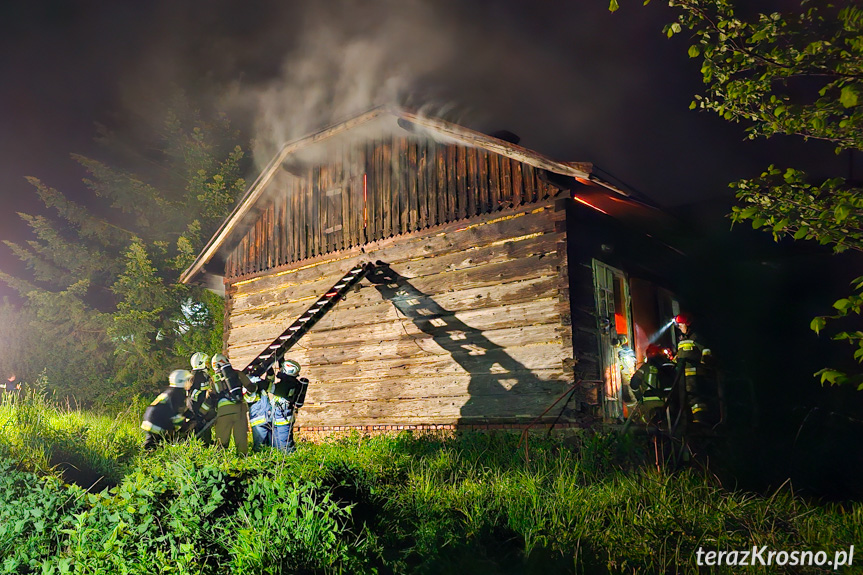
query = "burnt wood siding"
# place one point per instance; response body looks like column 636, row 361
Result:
column 585, row 333
column 471, row 326
column 374, row 190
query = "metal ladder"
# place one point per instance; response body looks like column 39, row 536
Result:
column 276, row 350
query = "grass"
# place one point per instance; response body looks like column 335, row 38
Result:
column 472, row 503
column 67, row 442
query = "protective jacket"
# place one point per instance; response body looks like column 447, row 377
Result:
column 271, row 418
column 653, row 379
column 283, row 423
column 291, row 388
column 282, row 397
column 691, row 351
column 200, row 404
column 228, row 386
column 258, row 408
column 232, row 412
column 695, row 361
column 282, row 410
column 167, row 412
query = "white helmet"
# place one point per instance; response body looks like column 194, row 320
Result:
column 291, row 367
column 219, row 361
column 199, row 360
column 179, row 377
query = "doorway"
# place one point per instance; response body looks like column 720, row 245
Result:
column 614, row 323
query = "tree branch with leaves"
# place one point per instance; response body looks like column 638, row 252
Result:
column 798, row 73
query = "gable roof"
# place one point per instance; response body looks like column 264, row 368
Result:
column 393, row 118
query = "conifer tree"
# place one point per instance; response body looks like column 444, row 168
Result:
column 103, row 289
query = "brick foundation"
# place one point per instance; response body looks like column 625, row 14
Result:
column 320, row 433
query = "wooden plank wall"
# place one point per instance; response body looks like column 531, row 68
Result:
column 585, row 332
column 377, row 189
column 471, row 326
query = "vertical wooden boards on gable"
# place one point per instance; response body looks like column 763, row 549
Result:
column 345, row 201
column 302, row 218
column 315, row 213
column 326, row 208
column 401, row 180
column 506, row 192
column 529, row 183
column 423, row 192
column 493, row 182
column 441, row 183
column 278, row 225
column 452, row 185
column 461, row 181
column 373, row 189
column 333, row 205
column 483, row 204
column 466, row 326
column 472, row 182
column 517, row 191
column 387, row 205
column 412, row 174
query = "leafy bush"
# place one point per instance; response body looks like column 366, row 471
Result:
column 33, row 511
column 288, row 525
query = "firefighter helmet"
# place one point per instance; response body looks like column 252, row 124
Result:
column 219, row 361
column 683, row 318
column 653, row 350
column 291, row 367
column 179, row 377
column 199, row 360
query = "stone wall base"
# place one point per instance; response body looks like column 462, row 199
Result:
column 322, row 433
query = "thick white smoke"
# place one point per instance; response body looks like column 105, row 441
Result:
column 575, row 82
column 344, row 62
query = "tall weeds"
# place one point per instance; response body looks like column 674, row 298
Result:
column 473, row 503
column 49, row 438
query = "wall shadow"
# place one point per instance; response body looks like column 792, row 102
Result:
column 499, row 384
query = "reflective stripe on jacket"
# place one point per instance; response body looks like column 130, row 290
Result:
column 688, row 350
column 259, row 410
column 283, row 412
column 200, row 402
column 167, row 412
column 228, row 386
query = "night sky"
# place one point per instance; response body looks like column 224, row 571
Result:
column 576, row 83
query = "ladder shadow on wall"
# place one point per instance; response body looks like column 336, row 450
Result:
column 501, row 389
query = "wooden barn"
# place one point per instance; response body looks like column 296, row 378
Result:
column 508, row 278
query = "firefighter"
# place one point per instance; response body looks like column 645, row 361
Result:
column 693, row 363
column 232, row 411
column 654, row 377
column 165, row 417
column 260, row 414
column 626, row 365
column 200, row 402
column 650, row 385
column 286, row 394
